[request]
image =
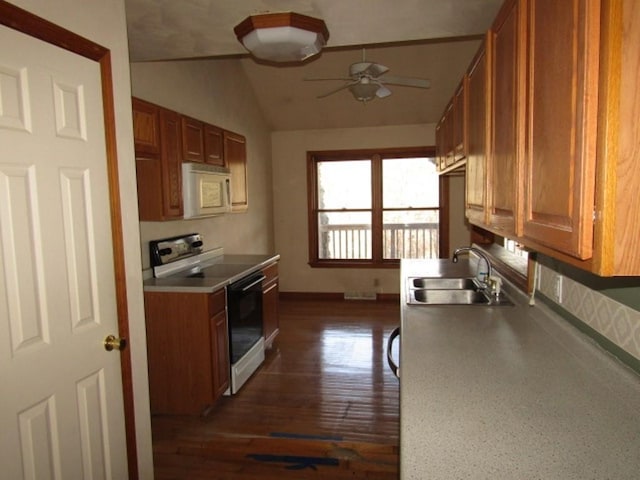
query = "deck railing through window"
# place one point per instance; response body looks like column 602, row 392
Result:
column 352, row 241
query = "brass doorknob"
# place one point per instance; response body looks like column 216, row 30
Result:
column 113, row 343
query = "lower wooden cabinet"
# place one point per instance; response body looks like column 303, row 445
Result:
column 270, row 321
column 188, row 352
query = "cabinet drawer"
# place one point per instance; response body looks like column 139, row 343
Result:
column 271, row 272
column 217, row 302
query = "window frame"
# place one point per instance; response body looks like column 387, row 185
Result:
column 375, row 156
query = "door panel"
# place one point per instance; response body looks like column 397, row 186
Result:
column 561, row 122
column 503, row 169
column 62, row 414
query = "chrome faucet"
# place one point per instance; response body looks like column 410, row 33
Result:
column 481, row 254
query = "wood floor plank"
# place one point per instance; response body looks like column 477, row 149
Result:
column 323, row 405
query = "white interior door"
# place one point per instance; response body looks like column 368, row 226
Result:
column 61, row 408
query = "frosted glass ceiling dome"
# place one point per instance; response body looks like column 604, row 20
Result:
column 282, row 37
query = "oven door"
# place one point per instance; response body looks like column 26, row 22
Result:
column 244, row 304
column 246, row 342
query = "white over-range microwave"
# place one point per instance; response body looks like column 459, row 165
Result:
column 206, row 190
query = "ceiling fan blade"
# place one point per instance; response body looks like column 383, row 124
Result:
column 335, row 90
column 382, row 91
column 357, row 69
column 406, row 81
column 375, row 70
column 367, row 69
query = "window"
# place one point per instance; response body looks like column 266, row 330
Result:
column 371, row 208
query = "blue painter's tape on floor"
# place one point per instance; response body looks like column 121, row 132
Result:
column 302, row 436
column 296, row 462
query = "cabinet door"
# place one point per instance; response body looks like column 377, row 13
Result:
column 563, row 51
column 149, row 185
column 219, row 343
column 158, row 169
column 235, row 154
column 171, row 164
column 478, row 118
column 506, row 78
column 213, row 145
column 220, row 353
column 440, row 147
column 146, row 131
column 447, row 135
column 459, row 128
column 179, row 352
column 192, row 140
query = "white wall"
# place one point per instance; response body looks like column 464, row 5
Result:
column 218, row 92
column 103, row 21
column 290, row 204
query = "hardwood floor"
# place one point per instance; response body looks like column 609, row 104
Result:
column 323, row 405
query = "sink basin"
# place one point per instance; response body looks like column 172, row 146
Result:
column 449, row 297
column 450, row 291
column 435, row 283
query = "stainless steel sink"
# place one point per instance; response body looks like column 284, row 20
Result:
column 450, row 291
column 449, row 297
column 435, row 283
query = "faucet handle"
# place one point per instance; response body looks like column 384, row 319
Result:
column 495, row 285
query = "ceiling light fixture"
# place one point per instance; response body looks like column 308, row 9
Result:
column 282, row 37
column 364, row 91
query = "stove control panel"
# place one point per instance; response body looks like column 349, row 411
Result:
column 172, row 249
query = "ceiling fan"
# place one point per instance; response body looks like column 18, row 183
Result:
column 367, row 81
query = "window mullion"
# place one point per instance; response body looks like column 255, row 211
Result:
column 376, row 211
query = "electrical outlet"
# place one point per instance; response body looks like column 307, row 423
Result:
column 557, row 291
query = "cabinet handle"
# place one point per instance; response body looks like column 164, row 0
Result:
column 270, row 288
column 253, row 284
column 394, row 368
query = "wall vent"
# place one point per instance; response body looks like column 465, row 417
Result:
column 360, row 295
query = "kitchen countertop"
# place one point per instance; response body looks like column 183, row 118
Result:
column 511, row 392
column 231, row 269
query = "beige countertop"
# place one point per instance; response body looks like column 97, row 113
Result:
column 510, row 392
column 231, row 268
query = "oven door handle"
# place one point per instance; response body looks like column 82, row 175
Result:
column 254, row 283
column 394, row 368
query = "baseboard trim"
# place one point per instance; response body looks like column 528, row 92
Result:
column 335, row 296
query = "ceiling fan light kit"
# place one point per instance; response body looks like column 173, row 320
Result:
column 364, row 92
column 282, row 37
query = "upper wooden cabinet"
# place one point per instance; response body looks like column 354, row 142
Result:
column 459, row 127
column 171, row 164
column 213, row 145
column 478, row 92
column 202, row 142
column 192, row 140
column 163, row 140
column 503, row 168
column 235, row 154
column 441, row 154
column 564, row 160
column 451, row 132
column 146, row 127
column 562, row 55
column 158, row 170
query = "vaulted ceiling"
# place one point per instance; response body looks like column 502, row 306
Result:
column 433, row 39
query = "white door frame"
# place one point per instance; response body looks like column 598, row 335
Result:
column 18, row 19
